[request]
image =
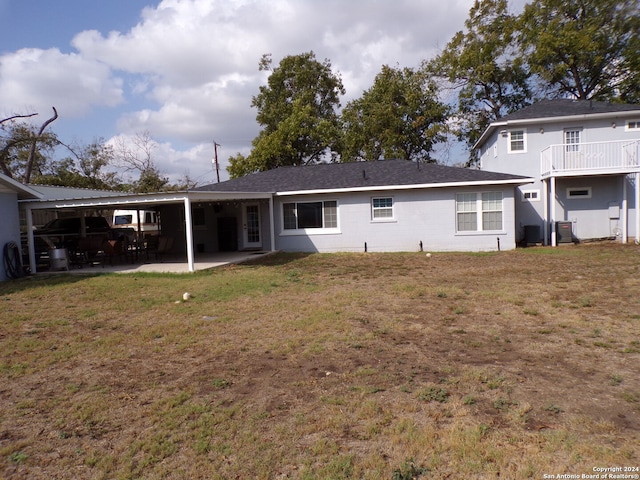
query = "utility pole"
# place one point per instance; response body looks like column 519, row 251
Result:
column 215, row 159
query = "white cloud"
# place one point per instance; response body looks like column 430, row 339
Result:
column 187, row 71
column 40, row 79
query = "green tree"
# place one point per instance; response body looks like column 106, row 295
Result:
column 19, row 157
column 297, row 110
column 398, row 117
column 86, row 169
column 484, row 67
column 586, row 49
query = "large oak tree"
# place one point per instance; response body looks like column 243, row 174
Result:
column 400, row 116
column 297, row 110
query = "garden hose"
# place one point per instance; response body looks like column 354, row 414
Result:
column 12, row 260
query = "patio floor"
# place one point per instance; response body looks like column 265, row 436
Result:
column 168, row 264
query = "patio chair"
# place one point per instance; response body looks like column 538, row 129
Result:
column 112, row 249
column 159, row 246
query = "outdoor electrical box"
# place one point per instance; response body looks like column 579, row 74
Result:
column 564, row 232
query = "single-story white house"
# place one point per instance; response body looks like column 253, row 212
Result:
column 382, row 206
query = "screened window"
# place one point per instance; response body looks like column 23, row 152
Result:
column 517, row 141
column 301, row 215
column 382, row 208
column 476, row 212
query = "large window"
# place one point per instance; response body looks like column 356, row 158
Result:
column 479, row 212
column 517, row 141
column 382, row 208
column 302, row 215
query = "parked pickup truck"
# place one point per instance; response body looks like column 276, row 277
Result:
column 68, row 233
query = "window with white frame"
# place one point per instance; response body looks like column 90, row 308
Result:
column 479, row 212
column 579, row 192
column 633, row 125
column 314, row 215
column 382, row 208
column 517, row 141
column 530, row 195
column 572, row 139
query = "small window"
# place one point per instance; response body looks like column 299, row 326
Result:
column 382, row 208
column 530, row 195
column 633, row 125
column 123, row 219
column 517, row 141
column 580, row 192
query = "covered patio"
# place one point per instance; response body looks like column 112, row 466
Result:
column 193, row 219
column 170, row 264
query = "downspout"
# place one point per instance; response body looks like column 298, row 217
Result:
column 272, row 226
column 188, row 228
column 30, row 240
column 552, row 210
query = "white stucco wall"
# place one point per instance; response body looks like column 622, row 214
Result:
column 10, row 230
column 426, row 216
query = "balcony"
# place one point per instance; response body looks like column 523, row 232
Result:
column 601, row 158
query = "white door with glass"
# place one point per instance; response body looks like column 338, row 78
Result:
column 251, row 226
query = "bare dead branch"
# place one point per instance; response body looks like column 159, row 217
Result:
column 32, row 153
column 8, row 119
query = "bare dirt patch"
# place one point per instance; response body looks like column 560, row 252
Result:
column 508, row 365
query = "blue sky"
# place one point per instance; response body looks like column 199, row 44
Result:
column 185, row 70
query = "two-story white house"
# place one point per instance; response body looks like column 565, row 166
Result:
column 585, row 158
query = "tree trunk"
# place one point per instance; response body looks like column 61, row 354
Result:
column 32, row 153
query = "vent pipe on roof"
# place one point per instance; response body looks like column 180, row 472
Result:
column 364, row 174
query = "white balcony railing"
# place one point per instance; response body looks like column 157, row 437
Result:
column 590, row 158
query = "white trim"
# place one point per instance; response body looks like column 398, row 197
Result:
column 189, row 234
column 524, row 140
column 18, row 187
column 479, row 214
column 560, row 119
column 375, row 219
column 311, row 230
column 385, row 188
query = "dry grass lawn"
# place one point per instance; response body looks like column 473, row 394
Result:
column 376, row 366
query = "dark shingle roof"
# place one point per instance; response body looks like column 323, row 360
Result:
column 383, row 173
column 566, row 107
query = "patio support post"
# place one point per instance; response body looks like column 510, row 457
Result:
column 188, row 228
column 30, row 240
column 552, row 210
column 625, row 211
column 637, row 206
column 272, row 229
column 545, row 214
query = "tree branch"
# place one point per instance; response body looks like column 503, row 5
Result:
column 8, row 119
column 32, row 153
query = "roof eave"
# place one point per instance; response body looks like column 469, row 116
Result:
column 23, row 191
column 476, row 183
column 561, row 118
